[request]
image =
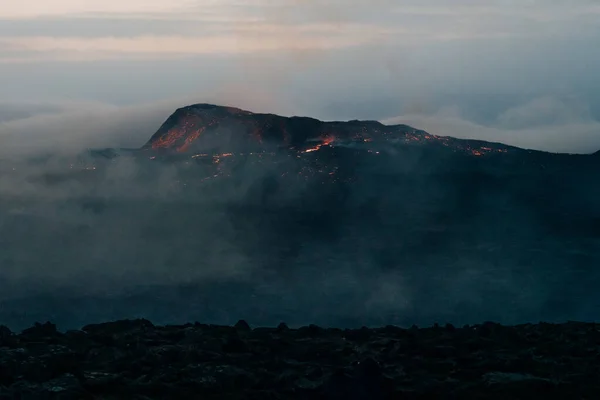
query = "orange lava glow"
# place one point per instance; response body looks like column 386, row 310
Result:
column 190, row 139
column 182, row 137
column 192, row 127
column 325, row 141
column 169, row 139
column 484, row 150
column 328, row 140
column 217, row 157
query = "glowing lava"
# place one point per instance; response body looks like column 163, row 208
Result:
column 169, row 139
column 325, row 141
column 185, row 127
column 190, row 139
column 182, row 137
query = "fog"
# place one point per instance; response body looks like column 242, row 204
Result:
column 563, row 124
column 127, row 239
column 67, row 127
column 566, row 125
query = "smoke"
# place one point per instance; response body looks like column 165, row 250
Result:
column 127, row 227
column 133, row 241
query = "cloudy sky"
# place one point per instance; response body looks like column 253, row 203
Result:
column 523, row 72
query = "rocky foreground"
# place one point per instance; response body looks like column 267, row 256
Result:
column 133, row 359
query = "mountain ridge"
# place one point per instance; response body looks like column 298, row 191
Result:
column 185, row 126
column 187, row 129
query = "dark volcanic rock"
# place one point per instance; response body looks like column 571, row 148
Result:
column 209, row 127
column 137, row 360
column 242, row 325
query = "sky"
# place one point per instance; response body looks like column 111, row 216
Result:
column 108, row 72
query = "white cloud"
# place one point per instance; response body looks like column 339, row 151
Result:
column 76, row 126
column 229, row 26
column 243, row 38
column 37, row 8
column 547, row 123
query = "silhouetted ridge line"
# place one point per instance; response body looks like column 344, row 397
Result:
column 137, row 359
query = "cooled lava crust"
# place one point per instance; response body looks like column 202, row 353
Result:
column 133, row 359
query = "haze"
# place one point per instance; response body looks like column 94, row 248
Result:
column 81, row 74
column 108, row 72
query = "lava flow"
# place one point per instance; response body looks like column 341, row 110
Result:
column 223, row 125
column 183, row 136
column 326, row 141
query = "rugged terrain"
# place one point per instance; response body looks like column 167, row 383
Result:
column 134, row 359
column 202, row 127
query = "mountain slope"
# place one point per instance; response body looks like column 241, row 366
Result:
column 202, row 127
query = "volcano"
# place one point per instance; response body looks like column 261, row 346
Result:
column 203, row 127
column 307, row 221
column 309, row 177
column 230, row 139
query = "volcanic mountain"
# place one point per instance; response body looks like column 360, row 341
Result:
column 335, row 223
column 329, row 171
column 202, row 127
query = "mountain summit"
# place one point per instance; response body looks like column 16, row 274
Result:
column 206, row 127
